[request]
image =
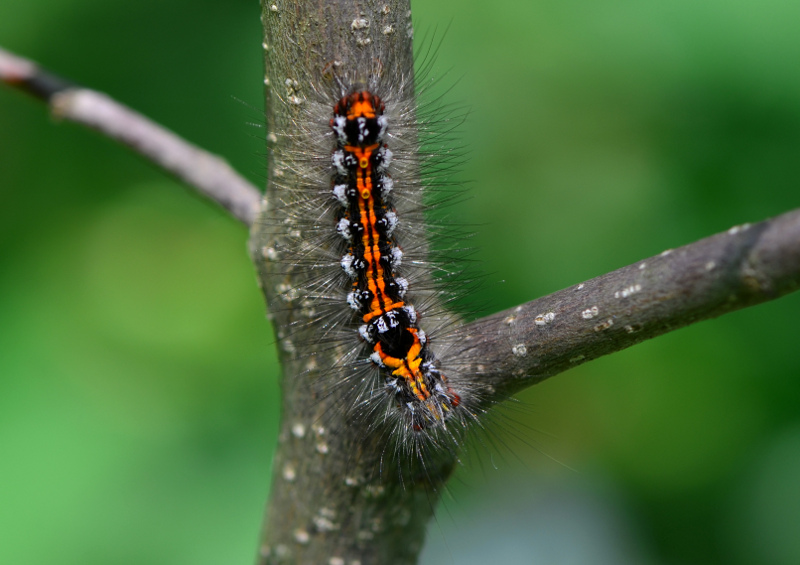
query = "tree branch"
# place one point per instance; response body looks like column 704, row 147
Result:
column 326, row 505
column 746, row 265
column 337, row 494
column 209, row 174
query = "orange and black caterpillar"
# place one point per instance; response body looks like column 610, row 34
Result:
column 367, row 220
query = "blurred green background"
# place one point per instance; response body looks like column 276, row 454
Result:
column 138, row 384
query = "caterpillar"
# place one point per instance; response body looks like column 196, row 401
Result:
column 364, row 309
column 363, row 187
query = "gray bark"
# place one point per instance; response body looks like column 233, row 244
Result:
column 328, row 504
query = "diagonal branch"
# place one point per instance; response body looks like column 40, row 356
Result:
column 522, row 346
column 209, row 174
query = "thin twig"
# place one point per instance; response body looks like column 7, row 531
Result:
column 209, row 174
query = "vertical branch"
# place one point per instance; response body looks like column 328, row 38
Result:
column 328, row 504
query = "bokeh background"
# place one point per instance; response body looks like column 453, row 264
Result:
column 138, row 382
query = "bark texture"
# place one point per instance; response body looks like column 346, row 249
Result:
column 328, row 504
column 741, row 267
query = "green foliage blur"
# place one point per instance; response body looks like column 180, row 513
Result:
column 138, row 382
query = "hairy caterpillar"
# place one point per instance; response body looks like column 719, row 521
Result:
column 355, row 185
column 363, row 187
